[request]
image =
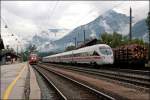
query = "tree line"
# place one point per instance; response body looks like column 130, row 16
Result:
column 114, row 40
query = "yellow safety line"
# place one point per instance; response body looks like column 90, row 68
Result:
column 12, row 84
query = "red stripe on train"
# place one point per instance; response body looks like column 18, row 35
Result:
column 88, row 57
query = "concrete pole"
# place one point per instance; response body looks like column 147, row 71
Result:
column 75, row 41
column 130, row 27
column 84, row 35
column 149, row 33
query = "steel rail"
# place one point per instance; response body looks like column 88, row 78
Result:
column 145, row 83
column 50, row 82
column 107, row 97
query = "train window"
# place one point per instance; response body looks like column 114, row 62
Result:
column 105, row 51
column 85, row 54
column 75, row 55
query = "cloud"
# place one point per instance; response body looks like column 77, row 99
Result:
column 65, row 14
column 26, row 18
column 139, row 9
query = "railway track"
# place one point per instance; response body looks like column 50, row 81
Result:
column 130, row 77
column 47, row 89
column 69, row 88
column 56, row 95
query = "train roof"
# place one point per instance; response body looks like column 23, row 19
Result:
column 84, row 49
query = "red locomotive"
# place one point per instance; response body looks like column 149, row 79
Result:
column 33, row 59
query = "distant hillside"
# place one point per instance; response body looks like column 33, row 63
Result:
column 140, row 29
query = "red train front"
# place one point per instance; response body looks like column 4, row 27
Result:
column 33, row 59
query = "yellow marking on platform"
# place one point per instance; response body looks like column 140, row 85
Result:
column 12, row 84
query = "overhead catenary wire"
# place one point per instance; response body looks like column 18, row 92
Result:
column 53, row 11
column 51, row 14
column 86, row 16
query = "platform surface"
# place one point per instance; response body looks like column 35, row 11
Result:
column 13, row 81
column 13, row 77
column 35, row 92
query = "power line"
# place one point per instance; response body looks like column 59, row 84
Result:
column 89, row 14
column 52, row 12
column 54, row 9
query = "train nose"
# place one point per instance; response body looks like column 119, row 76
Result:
column 109, row 59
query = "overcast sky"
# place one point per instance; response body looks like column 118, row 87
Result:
column 26, row 18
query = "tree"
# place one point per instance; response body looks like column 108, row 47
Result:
column 106, row 38
column 112, row 40
column 117, row 39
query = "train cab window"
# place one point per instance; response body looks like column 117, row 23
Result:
column 95, row 53
column 105, row 51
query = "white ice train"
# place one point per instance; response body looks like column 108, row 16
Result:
column 96, row 54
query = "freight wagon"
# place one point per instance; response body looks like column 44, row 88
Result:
column 130, row 54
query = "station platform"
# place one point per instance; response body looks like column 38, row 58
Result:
column 18, row 81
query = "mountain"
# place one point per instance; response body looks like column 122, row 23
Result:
column 44, row 40
column 111, row 21
column 140, row 30
column 43, row 44
column 108, row 22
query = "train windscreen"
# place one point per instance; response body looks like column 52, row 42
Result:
column 105, row 51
